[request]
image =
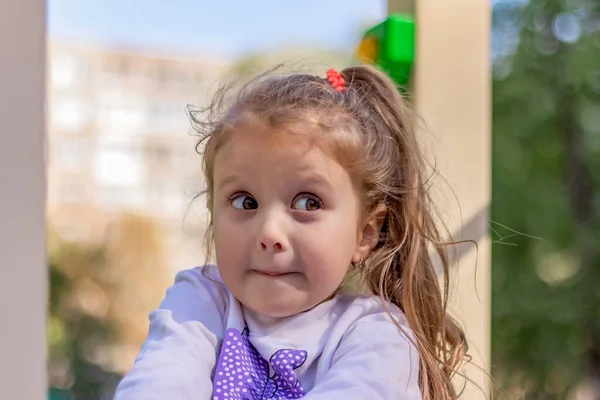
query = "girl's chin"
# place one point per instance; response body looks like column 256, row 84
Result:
column 271, row 307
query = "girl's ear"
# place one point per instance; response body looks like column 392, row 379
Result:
column 370, row 233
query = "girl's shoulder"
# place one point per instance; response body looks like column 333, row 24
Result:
column 197, row 292
column 204, row 274
column 372, row 319
column 375, row 344
column 372, row 307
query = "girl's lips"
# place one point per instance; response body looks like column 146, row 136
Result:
column 272, row 273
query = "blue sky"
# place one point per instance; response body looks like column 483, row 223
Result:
column 221, row 27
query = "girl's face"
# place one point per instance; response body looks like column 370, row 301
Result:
column 286, row 221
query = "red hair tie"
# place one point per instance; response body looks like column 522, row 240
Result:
column 336, row 80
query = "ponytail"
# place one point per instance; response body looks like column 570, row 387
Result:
column 401, row 270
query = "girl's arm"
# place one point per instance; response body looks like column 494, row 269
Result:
column 177, row 359
column 374, row 361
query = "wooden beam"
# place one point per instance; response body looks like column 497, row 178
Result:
column 23, row 284
column 452, row 94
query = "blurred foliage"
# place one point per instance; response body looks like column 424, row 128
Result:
column 546, row 183
column 101, row 291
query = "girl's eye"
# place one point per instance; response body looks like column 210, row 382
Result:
column 306, row 203
column 244, row 202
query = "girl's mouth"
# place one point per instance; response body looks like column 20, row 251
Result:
column 272, row 273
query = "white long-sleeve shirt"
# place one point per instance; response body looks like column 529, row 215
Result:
column 203, row 344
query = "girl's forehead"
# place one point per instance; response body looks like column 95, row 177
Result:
column 294, row 143
column 290, row 151
column 248, row 145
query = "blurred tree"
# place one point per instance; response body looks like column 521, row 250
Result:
column 100, row 294
column 546, row 183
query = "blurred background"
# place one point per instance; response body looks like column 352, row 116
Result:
column 546, row 183
column 122, row 171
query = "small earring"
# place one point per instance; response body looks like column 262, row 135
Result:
column 359, row 264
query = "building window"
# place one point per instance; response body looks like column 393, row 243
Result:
column 68, row 114
column 168, row 116
column 118, row 166
column 69, row 153
column 65, row 71
column 121, row 112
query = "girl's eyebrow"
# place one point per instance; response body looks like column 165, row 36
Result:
column 313, row 180
column 229, row 179
column 317, row 180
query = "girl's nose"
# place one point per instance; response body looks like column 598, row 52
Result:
column 271, row 237
column 276, row 246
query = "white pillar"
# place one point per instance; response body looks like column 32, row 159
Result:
column 452, row 94
column 23, row 282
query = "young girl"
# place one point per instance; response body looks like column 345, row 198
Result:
column 321, row 223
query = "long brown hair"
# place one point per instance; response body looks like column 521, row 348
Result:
column 370, row 127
